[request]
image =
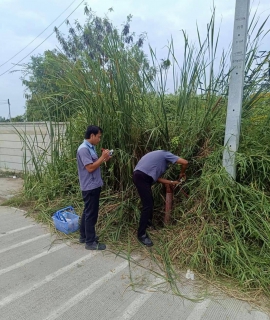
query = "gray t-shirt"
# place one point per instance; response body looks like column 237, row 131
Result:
column 155, row 163
column 86, row 154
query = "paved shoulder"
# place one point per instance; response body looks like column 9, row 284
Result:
column 42, row 279
column 9, row 186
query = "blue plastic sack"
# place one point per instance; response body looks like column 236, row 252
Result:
column 66, row 220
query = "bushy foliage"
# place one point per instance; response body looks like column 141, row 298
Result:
column 84, row 45
column 220, row 227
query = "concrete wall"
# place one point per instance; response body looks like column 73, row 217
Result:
column 23, row 142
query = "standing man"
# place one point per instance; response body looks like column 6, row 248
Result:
column 90, row 183
column 146, row 173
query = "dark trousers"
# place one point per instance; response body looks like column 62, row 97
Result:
column 90, row 214
column 143, row 183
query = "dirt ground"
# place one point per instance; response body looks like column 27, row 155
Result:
column 9, row 186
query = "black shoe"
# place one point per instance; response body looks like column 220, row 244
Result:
column 95, row 246
column 145, row 240
column 82, row 240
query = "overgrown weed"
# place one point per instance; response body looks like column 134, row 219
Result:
column 221, row 230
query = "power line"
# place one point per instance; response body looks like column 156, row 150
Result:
column 42, row 41
column 38, row 35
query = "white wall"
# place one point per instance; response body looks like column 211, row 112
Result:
column 20, row 141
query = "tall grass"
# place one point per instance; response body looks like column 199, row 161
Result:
column 222, row 229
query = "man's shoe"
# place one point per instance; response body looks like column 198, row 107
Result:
column 145, row 240
column 82, row 240
column 95, row 246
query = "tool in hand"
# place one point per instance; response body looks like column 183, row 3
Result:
column 111, row 151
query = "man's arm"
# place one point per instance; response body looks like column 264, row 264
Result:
column 104, row 157
column 184, row 164
column 165, row 181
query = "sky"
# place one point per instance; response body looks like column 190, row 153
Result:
column 26, row 26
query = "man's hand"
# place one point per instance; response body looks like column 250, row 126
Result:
column 106, row 155
column 184, row 164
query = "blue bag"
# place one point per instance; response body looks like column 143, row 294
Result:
column 66, row 220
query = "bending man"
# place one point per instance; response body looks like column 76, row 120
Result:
column 146, row 173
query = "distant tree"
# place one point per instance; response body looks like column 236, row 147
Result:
column 42, row 75
column 20, row 118
column 3, row 119
column 89, row 38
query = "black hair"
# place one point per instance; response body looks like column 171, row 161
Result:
column 92, row 129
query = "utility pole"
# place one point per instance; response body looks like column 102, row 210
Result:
column 236, row 84
column 9, row 114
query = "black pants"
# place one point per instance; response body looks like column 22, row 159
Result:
column 90, row 214
column 143, row 183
